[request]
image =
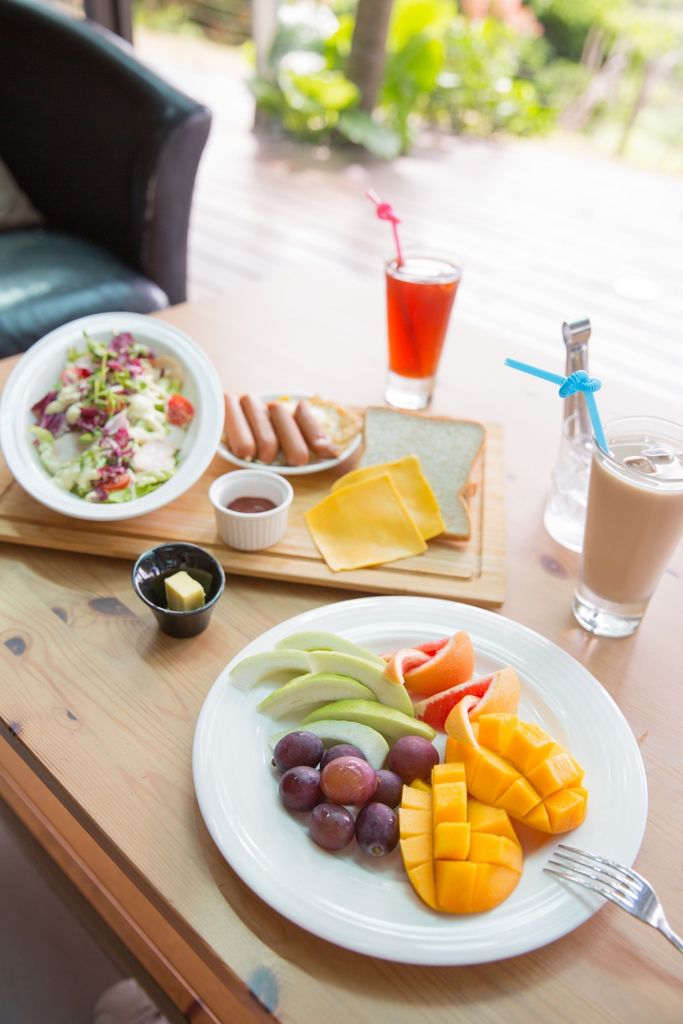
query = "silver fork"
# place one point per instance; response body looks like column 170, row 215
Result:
column 617, row 883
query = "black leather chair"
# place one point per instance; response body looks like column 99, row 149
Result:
column 107, row 152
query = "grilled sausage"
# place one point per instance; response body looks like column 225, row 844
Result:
column 261, row 427
column 321, row 445
column 291, row 439
column 237, row 431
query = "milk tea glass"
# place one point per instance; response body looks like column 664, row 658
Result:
column 420, row 295
column 634, row 522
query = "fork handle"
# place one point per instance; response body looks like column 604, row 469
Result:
column 670, row 934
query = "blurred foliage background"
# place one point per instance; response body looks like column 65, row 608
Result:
column 609, row 70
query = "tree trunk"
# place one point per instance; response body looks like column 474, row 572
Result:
column 366, row 60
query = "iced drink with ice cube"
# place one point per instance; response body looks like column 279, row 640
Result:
column 634, row 522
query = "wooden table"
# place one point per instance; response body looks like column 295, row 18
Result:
column 97, row 711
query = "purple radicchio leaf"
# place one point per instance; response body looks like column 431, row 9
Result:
column 54, row 421
column 91, row 418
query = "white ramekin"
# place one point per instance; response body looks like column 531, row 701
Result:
column 250, row 531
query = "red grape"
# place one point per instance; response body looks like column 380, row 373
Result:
column 412, row 757
column 341, row 750
column 348, row 780
column 331, row 826
column 297, row 748
column 300, row 788
column 389, row 788
column 377, row 829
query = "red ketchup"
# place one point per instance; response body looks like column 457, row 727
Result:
column 249, row 504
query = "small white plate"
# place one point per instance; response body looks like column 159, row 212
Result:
column 35, row 374
column 368, row 905
column 311, row 467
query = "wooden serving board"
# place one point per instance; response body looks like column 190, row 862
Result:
column 472, row 571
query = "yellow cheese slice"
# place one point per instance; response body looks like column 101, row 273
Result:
column 413, row 487
column 364, row 524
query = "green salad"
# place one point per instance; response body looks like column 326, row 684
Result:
column 113, row 426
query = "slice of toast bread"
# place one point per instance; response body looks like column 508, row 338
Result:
column 447, row 449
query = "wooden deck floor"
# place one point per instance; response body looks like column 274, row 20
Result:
column 548, row 232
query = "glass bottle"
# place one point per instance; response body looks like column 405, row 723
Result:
column 565, row 508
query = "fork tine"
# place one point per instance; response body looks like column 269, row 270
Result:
column 608, row 881
column 570, row 876
column 629, row 872
column 628, row 886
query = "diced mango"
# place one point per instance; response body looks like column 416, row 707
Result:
column 449, row 802
column 489, row 849
column 455, row 881
column 483, row 818
column 534, row 779
column 566, row 809
column 412, row 822
column 558, row 772
column 416, row 798
column 527, row 746
column 495, row 730
column 420, row 784
column 422, row 881
column 493, row 884
column 538, row 819
column 443, row 861
column 416, row 850
column 519, row 799
column 458, row 750
column 448, row 773
column 490, row 777
column 452, row 840
column 451, row 753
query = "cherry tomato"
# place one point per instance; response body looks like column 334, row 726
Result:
column 118, row 484
column 179, row 411
column 71, row 374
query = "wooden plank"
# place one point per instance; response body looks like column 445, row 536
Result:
column 473, row 572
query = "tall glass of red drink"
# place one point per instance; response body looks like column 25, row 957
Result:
column 420, row 295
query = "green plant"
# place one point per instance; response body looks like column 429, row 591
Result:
column 489, row 81
column 566, row 23
column 474, row 77
column 415, row 58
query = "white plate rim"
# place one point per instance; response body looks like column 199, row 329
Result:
column 579, row 905
column 12, row 411
column 311, row 467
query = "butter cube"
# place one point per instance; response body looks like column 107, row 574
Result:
column 183, row 593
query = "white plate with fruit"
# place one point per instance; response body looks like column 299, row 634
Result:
column 367, row 903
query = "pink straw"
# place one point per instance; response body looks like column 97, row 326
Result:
column 385, row 212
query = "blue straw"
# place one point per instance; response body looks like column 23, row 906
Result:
column 577, row 381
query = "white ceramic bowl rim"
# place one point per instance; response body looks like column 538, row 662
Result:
column 238, row 478
column 35, row 374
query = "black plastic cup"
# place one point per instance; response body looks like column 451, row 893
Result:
column 152, row 568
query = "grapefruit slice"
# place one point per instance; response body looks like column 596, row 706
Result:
column 432, row 646
column 435, row 710
column 451, row 665
column 402, row 661
column 458, row 725
column 502, row 696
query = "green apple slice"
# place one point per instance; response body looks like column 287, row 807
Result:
column 371, row 743
column 273, row 665
column 319, row 641
column 313, row 688
column 394, row 695
column 392, row 724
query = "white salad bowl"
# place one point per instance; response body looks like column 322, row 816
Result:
column 38, row 370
